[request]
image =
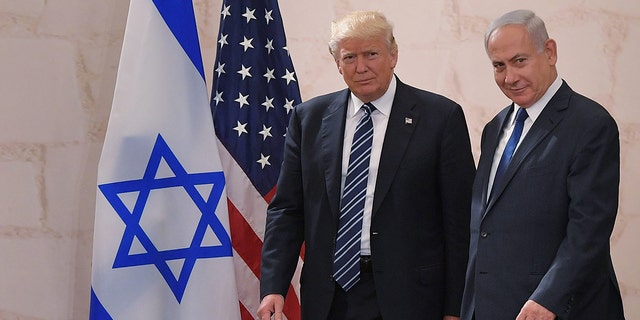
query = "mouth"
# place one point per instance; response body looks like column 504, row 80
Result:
column 364, row 81
column 517, row 90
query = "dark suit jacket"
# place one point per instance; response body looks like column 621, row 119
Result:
column 544, row 235
column 420, row 220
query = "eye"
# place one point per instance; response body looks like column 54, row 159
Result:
column 520, row 60
column 349, row 58
column 498, row 66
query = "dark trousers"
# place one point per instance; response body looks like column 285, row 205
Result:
column 359, row 303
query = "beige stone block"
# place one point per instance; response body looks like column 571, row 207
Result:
column 39, row 91
column 426, row 24
column 38, row 280
column 622, row 7
column 30, row 8
column 70, row 186
column 631, row 302
column 99, row 79
column 83, row 20
column 630, row 177
column 303, row 26
column 626, row 93
column 582, row 60
column 625, row 261
column 20, row 196
column 494, row 9
column 472, row 75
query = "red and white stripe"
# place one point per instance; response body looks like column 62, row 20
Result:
column 247, row 216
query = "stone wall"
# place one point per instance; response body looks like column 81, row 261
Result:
column 58, row 63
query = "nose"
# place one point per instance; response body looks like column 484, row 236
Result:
column 510, row 76
column 361, row 65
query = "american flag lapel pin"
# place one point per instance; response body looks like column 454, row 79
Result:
column 408, row 120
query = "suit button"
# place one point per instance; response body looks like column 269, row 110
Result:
column 483, row 234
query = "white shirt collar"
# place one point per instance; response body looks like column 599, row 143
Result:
column 536, row 109
column 382, row 104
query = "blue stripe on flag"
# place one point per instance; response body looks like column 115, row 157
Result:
column 97, row 311
column 181, row 20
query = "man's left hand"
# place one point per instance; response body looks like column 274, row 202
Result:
column 534, row 311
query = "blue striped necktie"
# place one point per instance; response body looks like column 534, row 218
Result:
column 511, row 145
column 346, row 265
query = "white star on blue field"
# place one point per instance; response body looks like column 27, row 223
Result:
column 133, row 229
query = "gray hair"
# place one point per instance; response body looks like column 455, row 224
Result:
column 361, row 25
column 527, row 18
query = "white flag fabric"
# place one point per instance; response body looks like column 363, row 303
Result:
column 162, row 248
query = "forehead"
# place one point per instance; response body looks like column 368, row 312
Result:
column 509, row 40
column 360, row 45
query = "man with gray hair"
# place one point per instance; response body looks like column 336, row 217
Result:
column 376, row 182
column 545, row 196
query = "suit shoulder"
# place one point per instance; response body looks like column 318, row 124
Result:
column 433, row 97
column 585, row 109
column 321, row 102
column 428, row 101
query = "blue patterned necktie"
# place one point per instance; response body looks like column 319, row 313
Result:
column 511, row 145
column 346, row 264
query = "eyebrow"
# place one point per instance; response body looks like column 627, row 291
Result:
column 514, row 57
column 518, row 55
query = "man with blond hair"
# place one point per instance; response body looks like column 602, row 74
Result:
column 376, row 182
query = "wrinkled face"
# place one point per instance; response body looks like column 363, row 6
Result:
column 366, row 65
column 522, row 72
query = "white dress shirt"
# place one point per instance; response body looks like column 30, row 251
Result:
column 380, row 118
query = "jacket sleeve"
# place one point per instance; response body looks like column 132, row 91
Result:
column 592, row 190
column 456, row 174
column 285, row 219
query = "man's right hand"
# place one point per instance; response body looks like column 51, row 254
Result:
column 271, row 304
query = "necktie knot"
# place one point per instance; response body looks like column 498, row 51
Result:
column 368, row 108
column 521, row 115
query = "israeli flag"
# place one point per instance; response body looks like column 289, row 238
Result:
column 162, row 248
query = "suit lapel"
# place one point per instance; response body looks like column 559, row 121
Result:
column 332, row 133
column 402, row 121
column 550, row 117
column 486, row 159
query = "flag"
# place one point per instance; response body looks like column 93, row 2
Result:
column 162, row 248
column 254, row 90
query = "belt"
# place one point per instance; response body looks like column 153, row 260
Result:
column 366, row 264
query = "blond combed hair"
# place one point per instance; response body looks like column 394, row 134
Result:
column 361, row 25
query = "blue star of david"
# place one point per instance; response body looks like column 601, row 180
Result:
column 133, row 229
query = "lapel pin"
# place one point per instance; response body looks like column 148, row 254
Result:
column 408, row 121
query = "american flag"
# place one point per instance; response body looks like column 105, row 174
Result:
column 254, row 90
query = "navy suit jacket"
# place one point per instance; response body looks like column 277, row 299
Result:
column 420, row 220
column 544, row 235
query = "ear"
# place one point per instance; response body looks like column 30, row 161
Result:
column 551, row 51
column 394, row 58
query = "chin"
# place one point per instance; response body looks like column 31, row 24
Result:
column 521, row 101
